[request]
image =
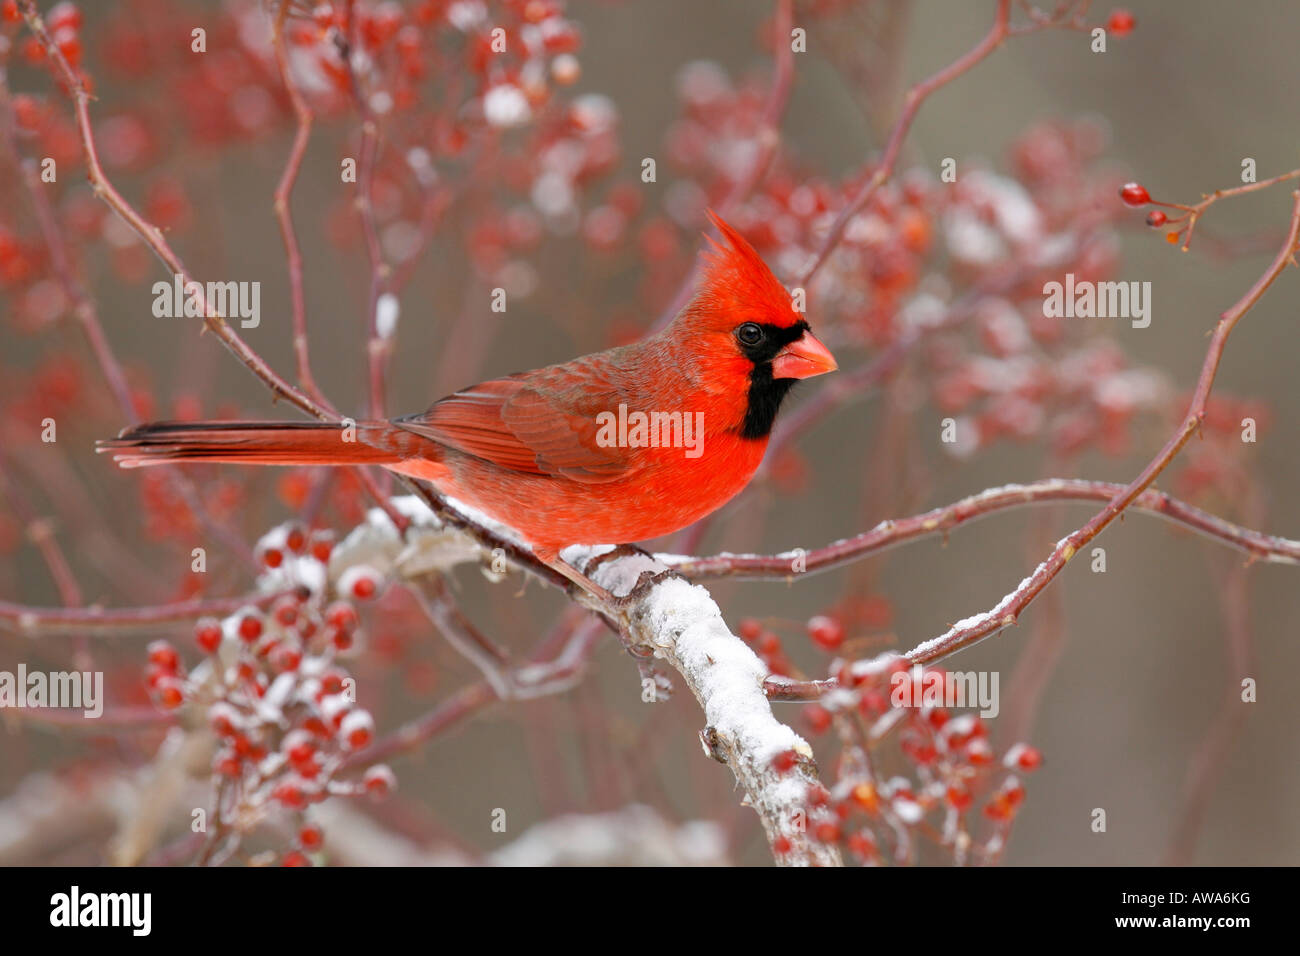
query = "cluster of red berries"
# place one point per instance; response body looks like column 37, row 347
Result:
column 950, row 754
column 952, row 761
column 828, row 632
column 62, row 22
column 282, row 708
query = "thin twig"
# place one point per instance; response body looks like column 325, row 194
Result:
column 891, row 533
column 1005, row 613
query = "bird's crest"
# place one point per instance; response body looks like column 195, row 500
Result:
column 737, row 283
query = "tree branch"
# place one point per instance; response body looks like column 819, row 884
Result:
column 891, row 533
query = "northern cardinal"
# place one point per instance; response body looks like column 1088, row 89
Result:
column 559, row 453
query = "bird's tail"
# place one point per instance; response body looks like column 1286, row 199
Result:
column 254, row 443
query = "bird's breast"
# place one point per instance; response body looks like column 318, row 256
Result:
column 666, row 488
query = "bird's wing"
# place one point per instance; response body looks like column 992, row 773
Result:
column 540, row 423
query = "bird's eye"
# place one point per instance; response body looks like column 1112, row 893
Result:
column 751, row 333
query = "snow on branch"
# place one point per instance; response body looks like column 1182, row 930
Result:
column 673, row 621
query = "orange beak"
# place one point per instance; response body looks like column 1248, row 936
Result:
column 803, row 358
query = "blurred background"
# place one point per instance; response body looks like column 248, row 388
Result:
column 1134, row 663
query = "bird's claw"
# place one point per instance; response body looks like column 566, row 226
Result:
column 645, row 582
column 619, row 551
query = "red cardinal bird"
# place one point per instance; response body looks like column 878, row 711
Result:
column 614, row 447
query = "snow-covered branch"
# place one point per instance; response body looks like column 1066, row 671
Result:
column 673, row 621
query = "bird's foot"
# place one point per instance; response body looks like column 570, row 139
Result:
column 619, row 551
column 601, row 598
column 645, row 583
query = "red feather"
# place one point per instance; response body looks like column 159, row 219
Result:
column 528, row 449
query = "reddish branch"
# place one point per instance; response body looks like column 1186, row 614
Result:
column 378, row 346
column 1007, row 611
column 153, row 238
column 1207, row 766
column 1119, row 498
column 912, row 102
column 151, row 234
column 561, row 656
column 83, row 307
column 48, row 621
column 889, row 534
column 283, row 191
column 1192, row 213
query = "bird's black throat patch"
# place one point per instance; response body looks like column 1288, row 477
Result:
column 765, row 392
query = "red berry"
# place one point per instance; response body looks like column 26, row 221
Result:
column 222, row 718
column 1121, row 23
column 285, row 659
column 170, row 694
column 273, row 557
column 250, row 627
column 334, row 709
column 1156, row 218
column 229, row 766
column 819, row 718
column 784, row 761
column 207, row 634
column 379, row 780
column 315, row 725
column 924, row 754
column 979, row 753
column 781, row 845
column 307, row 626
column 959, row 797
column 331, row 682
column 295, row 858
column 164, row 655
column 289, row 795
column 63, row 15
column 363, row 588
column 285, row 611
column 828, row 832
column 750, row 629
column 1134, row 194
column 862, row 845
column 341, row 615
column 311, row 837
column 322, row 545
column 826, row 632
column 357, row 729
column 9, row 11
column 998, row 809
column 1003, row 804
column 69, row 45
column 865, row 796
column 27, row 111
column 295, row 540
column 1025, row 757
